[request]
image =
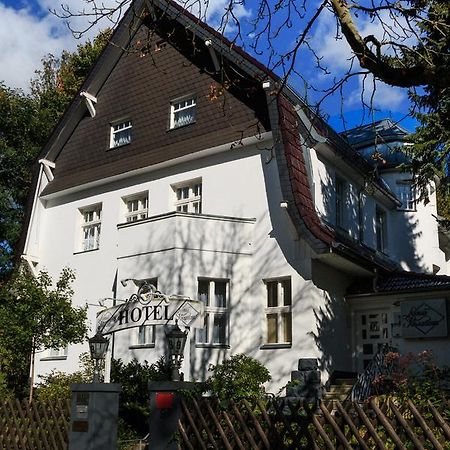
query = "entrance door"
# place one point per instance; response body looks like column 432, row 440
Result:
column 373, row 330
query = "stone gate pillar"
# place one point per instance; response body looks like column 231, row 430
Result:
column 93, row 416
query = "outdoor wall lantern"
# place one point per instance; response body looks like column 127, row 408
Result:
column 98, row 346
column 176, row 340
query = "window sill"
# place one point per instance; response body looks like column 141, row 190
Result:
column 212, row 345
column 180, row 126
column 86, row 251
column 118, row 146
column 275, row 346
column 138, row 346
column 54, row 358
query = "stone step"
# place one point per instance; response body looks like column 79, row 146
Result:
column 340, row 397
column 345, row 381
column 340, row 389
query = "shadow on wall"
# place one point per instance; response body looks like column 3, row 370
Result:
column 353, row 215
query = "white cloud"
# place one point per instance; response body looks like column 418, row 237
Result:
column 384, row 97
column 336, row 53
column 26, row 38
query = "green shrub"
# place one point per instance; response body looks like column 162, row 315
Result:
column 134, row 398
column 56, row 385
column 239, row 376
column 416, row 377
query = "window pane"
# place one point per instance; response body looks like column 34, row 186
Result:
column 184, row 117
column 220, row 292
column 202, row 333
column 272, row 294
column 203, row 291
column 287, row 326
column 287, row 293
column 146, row 334
column 272, row 328
column 220, row 328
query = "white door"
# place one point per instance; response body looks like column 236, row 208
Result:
column 373, row 330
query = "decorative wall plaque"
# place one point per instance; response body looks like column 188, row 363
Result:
column 424, row 318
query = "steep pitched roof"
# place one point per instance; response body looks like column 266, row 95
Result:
column 288, row 113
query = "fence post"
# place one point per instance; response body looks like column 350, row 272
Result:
column 165, row 412
column 93, row 416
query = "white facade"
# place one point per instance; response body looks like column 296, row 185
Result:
column 215, row 224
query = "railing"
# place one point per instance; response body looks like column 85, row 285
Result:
column 363, row 388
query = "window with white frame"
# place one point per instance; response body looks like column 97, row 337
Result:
column 183, row 112
column 146, row 334
column 57, row 353
column 278, row 311
column 406, row 194
column 136, row 207
column 340, row 197
column 120, row 134
column 381, row 229
column 214, row 293
column 189, row 197
column 91, row 224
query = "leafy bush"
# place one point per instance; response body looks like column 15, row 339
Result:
column 56, row 385
column 415, row 377
column 239, row 376
column 134, row 398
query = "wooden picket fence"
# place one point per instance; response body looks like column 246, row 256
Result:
column 34, row 426
column 378, row 424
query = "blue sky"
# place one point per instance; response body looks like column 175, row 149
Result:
column 28, row 32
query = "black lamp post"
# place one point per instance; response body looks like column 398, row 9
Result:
column 176, row 340
column 98, row 346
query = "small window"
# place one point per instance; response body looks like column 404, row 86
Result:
column 120, row 134
column 406, row 194
column 183, row 112
column 381, row 230
column 57, row 353
column 278, row 311
column 91, row 224
column 136, row 207
column 214, row 294
column 146, row 335
column 189, row 197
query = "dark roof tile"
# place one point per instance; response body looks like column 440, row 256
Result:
column 400, row 282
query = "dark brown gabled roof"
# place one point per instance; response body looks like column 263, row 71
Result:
column 404, row 282
column 285, row 121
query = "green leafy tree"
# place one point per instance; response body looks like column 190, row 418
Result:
column 238, row 377
column 20, row 136
column 34, row 316
column 26, row 121
column 431, row 150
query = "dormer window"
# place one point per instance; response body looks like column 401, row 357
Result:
column 120, row 134
column 183, row 112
